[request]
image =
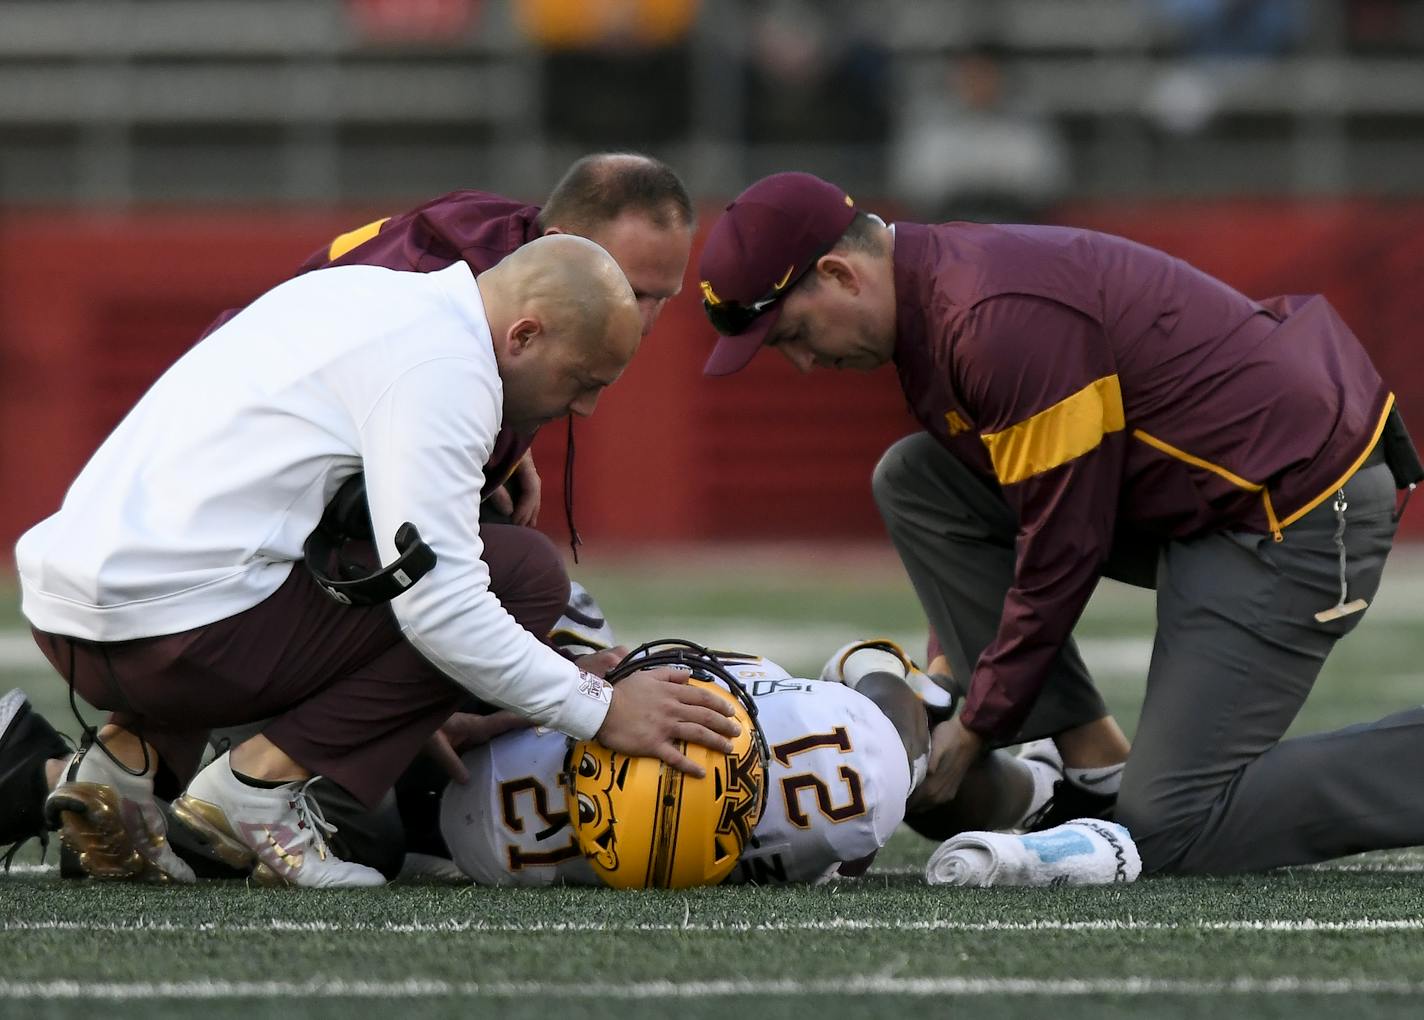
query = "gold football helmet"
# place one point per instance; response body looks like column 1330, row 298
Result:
column 644, row 824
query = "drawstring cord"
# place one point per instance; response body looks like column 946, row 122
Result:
column 90, row 734
column 574, row 540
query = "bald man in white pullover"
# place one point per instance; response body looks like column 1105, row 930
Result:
column 168, row 588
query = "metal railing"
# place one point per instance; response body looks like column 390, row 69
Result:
column 110, row 102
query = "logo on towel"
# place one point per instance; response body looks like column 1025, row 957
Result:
column 1109, row 832
column 1050, row 848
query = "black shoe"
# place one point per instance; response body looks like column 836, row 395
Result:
column 27, row 742
column 1069, row 802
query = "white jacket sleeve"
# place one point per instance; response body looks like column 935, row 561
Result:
column 424, row 446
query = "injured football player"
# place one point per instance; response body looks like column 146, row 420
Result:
column 844, row 755
column 826, row 771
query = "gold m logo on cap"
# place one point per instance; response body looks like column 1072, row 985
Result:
column 708, row 294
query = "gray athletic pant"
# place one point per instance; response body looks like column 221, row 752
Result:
column 1210, row 787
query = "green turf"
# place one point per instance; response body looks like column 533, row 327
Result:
column 848, row 950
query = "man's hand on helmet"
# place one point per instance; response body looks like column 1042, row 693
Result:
column 652, row 710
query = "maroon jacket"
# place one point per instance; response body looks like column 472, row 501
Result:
column 473, row 226
column 1104, row 384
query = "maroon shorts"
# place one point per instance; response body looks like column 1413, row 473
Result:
column 348, row 697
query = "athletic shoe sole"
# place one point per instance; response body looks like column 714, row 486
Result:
column 91, row 824
column 207, row 824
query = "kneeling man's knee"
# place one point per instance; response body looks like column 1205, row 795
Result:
column 1168, row 833
column 897, row 470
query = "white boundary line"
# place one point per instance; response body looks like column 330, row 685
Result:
column 280, row 926
column 418, row 988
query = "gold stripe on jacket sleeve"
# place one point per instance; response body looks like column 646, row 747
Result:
column 353, row 238
column 1061, row 433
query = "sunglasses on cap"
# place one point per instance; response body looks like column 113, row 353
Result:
column 731, row 318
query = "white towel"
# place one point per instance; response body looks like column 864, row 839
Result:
column 1085, row 851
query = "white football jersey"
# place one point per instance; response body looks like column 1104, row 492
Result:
column 836, row 791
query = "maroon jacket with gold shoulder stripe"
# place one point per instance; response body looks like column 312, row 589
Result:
column 475, row 227
column 1103, row 384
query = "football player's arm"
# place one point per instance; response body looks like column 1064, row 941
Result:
column 1040, row 380
column 994, row 795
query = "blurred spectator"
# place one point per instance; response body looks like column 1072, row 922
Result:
column 1231, row 28
column 616, row 72
column 817, row 73
column 1185, row 97
column 965, row 150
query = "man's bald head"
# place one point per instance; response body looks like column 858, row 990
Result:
column 564, row 324
column 572, row 285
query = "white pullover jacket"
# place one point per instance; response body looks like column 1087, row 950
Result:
column 196, row 508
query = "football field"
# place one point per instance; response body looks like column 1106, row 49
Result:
column 1342, row 939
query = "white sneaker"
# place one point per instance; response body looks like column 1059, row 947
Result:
column 279, row 833
column 109, row 818
column 851, row 662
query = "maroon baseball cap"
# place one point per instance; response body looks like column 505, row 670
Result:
column 764, row 242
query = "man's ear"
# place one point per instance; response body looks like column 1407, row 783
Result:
column 838, row 269
column 522, row 333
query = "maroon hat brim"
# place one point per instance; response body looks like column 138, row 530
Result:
column 734, row 353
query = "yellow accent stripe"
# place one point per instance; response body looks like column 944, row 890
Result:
column 1271, row 521
column 1205, row 465
column 352, row 238
column 1067, row 430
column 1339, row 483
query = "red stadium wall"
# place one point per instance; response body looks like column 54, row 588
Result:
column 92, row 308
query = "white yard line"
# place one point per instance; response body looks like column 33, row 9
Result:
column 869, row 984
column 1410, row 863
column 279, row 926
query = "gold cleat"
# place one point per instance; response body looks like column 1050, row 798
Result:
column 90, row 819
